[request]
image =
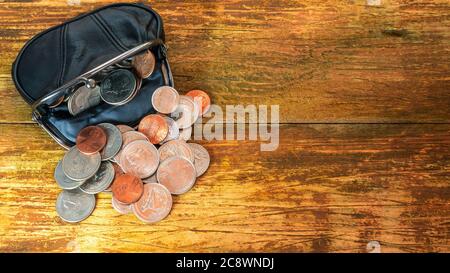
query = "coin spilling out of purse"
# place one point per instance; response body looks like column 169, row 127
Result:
column 115, row 85
column 141, row 167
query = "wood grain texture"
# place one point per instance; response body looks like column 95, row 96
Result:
column 322, row 61
column 327, row 188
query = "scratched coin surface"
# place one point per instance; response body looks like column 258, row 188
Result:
column 154, row 205
column 118, row 87
column 185, row 134
column 100, row 181
column 121, row 207
column 202, row 160
column 177, row 174
column 154, row 127
column 82, row 99
column 127, row 138
column 186, row 113
column 140, row 158
column 165, row 99
column 124, row 128
column 127, row 188
column 174, row 130
column 63, row 181
column 91, row 140
column 144, row 64
column 78, row 166
column 202, row 98
column 176, row 148
column 113, row 141
column 74, row 205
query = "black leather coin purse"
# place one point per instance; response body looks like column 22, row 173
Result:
column 58, row 61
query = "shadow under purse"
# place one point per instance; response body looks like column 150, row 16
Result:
column 80, row 52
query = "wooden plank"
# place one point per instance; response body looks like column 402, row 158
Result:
column 321, row 61
column 327, row 188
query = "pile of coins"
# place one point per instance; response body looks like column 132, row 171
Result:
column 142, row 167
column 115, row 85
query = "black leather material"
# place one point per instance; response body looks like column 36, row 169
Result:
column 64, row 52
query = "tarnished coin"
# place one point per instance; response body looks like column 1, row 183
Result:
column 78, row 166
column 113, row 141
column 175, row 148
column 82, row 99
column 124, row 128
column 100, row 181
column 174, row 130
column 185, row 134
column 121, row 207
column 127, row 188
column 165, row 99
column 127, row 138
column 91, row 140
column 202, row 98
column 186, row 113
column 139, row 158
column 144, row 64
column 177, row 174
column 63, row 181
column 118, row 87
column 201, row 162
column 154, row 205
column 154, row 127
column 74, row 205
column 151, row 179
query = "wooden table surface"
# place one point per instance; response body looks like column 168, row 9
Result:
column 364, row 94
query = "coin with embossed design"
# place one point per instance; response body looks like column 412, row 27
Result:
column 127, row 188
column 175, row 148
column 203, row 100
column 201, row 162
column 144, row 64
column 165, row 99
column 113, row 141
column 82, row 99
column 140, row 158
column 118, row 87
column 154, row 127
column 74, row 205
column 78, row 166
column 100, row 181
column 63, row 181
column 91, row 140
column 127, row 138
column 154, row 205
column 177, row 174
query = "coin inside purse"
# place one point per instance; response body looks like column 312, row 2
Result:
column 62, row 53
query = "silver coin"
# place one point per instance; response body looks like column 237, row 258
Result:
column 176, row 148
column 63, row 181
column 78, row 166
column 185, row 134
column 74, row 206
column 120, row 207
column 202, row 160
column 118, row 87
column 186, row 113
column 151, row 179
column 100, row 181
column 82, row 99
column 174, row 130
column 113, row 141
column 165, row 99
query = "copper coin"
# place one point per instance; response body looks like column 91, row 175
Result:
column 154, row 127
column 177, row 174
column 140, row 158
column 176, row 148
column 91, row 140
column 124, row 128
column 117, row 172
column 57, row 102
column 154, row 205
column 127, row 188
column 144, row 64
column 127, row 138
column 202, row 98
column 165, row 99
